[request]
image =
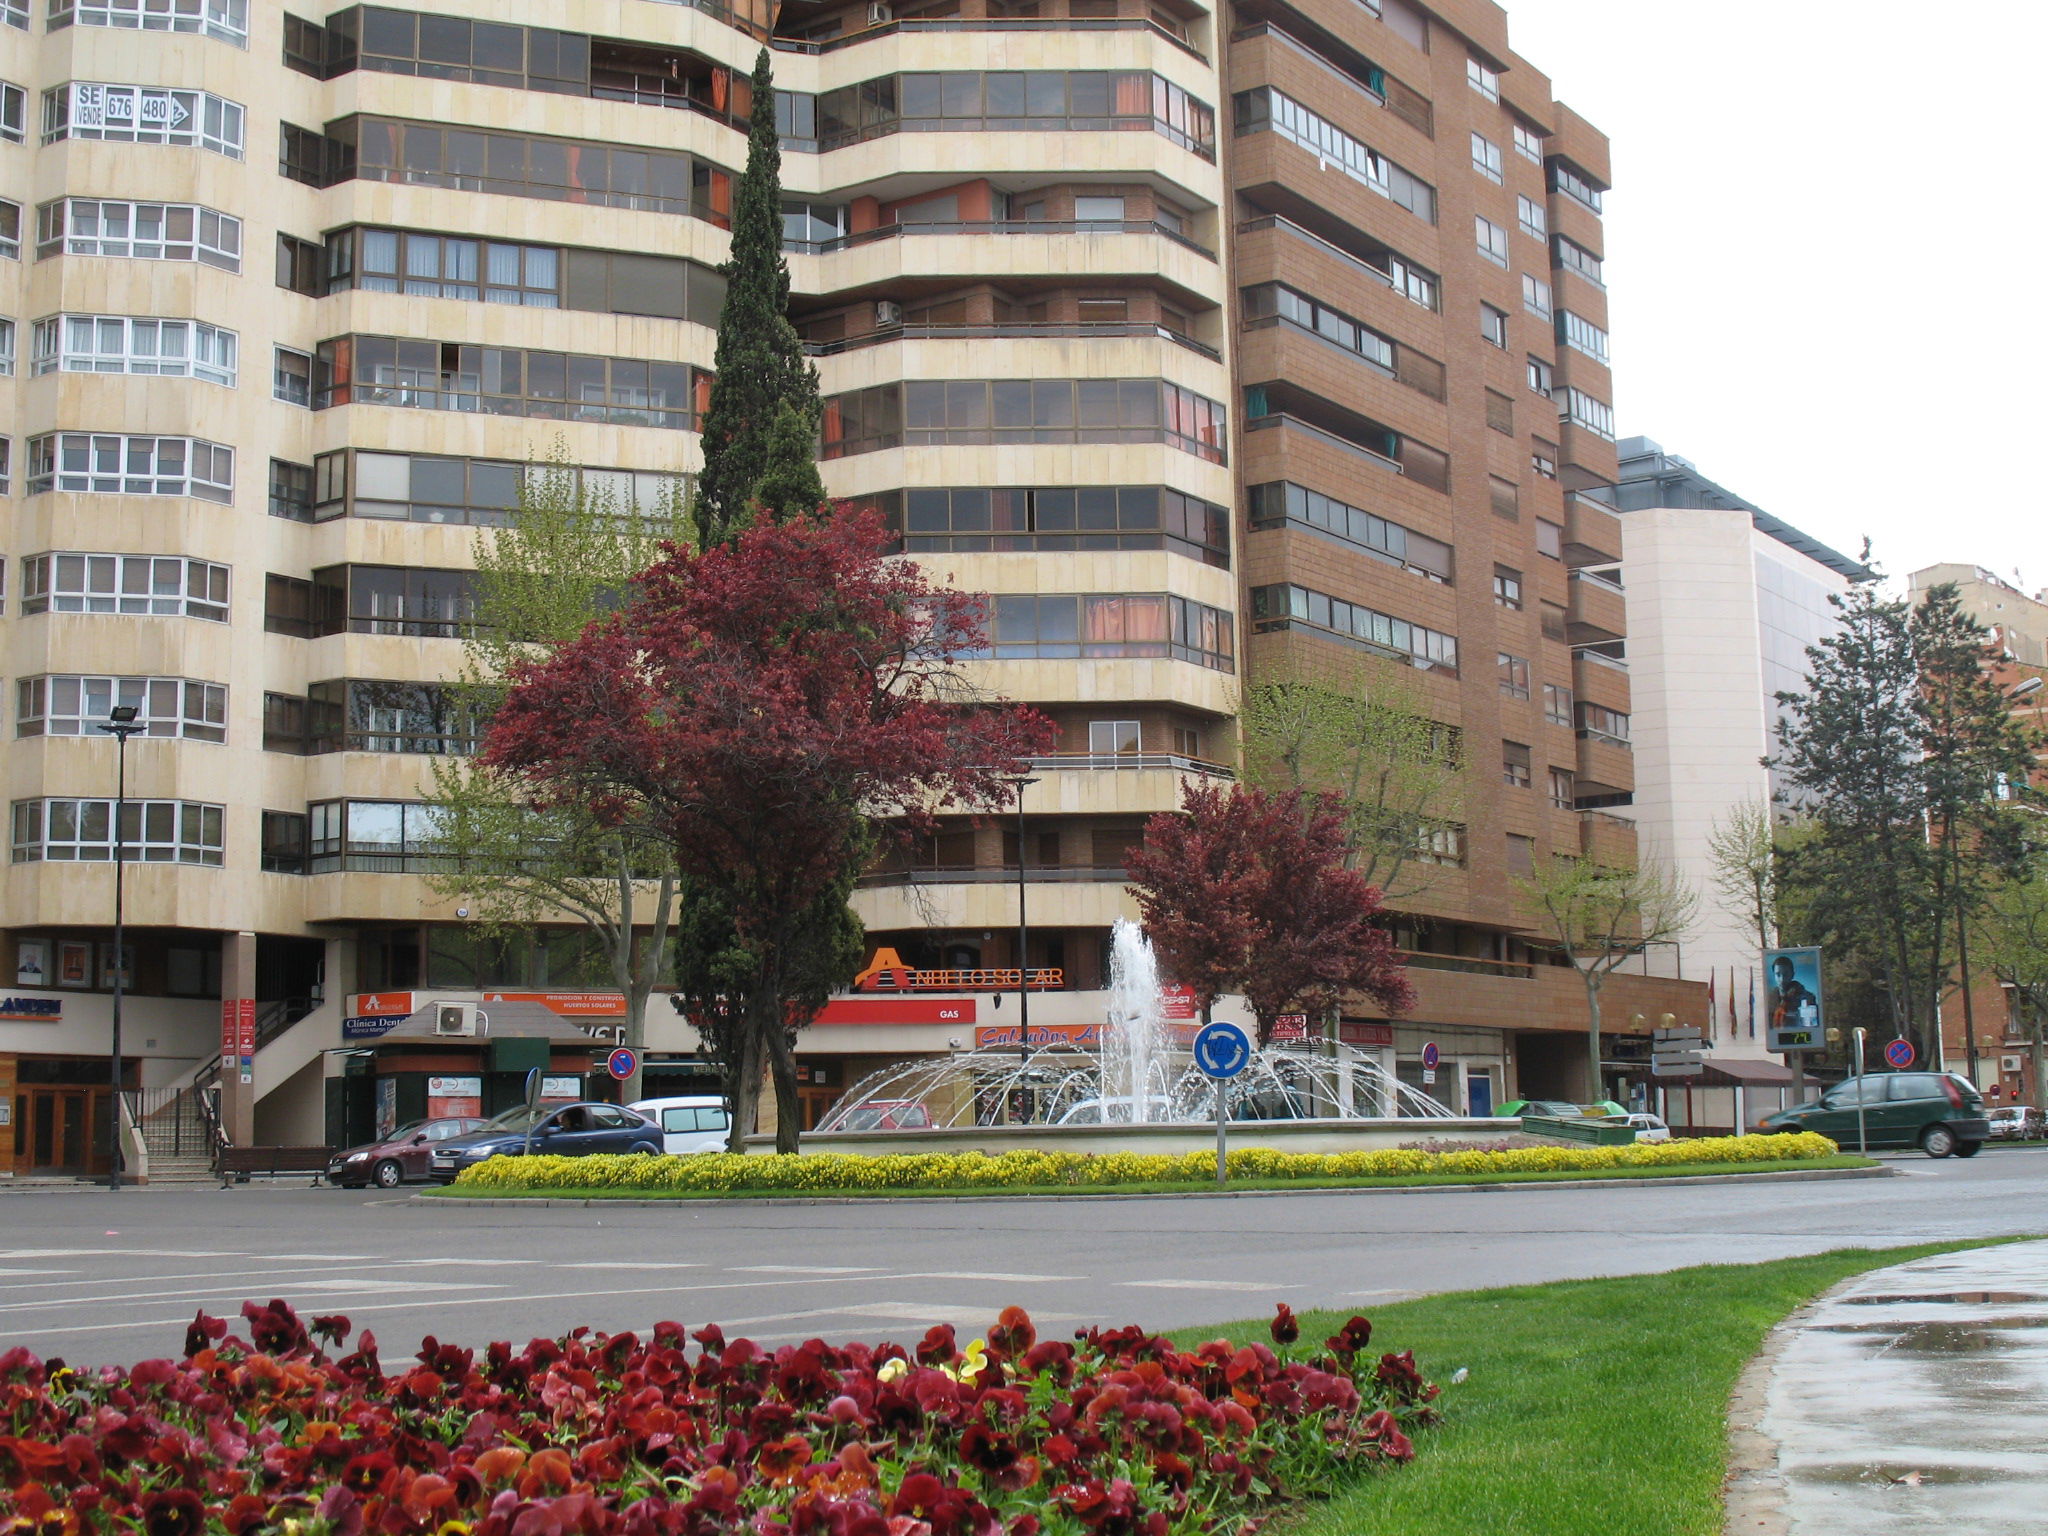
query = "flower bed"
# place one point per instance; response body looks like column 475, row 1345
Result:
column 834, row 1171
column 1118, row 1433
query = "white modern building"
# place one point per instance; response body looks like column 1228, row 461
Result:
column 1723, row 600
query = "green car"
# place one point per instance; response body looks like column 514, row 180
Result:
column 1557, row 1109
column 1938, row 1112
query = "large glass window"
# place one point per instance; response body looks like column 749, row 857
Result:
column 508, row 381
column 88, row 226
column 374, row 715
column 1581, row 335
column 136, row 584
column 1574, row 183
column 976, row 411
column 227, row 20
column 535, row 276
column 132, row 344
column 372, row 600
column 930, row 519
column 432, row 488
column 152, row 832
column 1574, row 257
column 1021, row 101
column 1277, row 300
column 1111, row 625
column 10, row 230
column 142, row 114
column 1280, row 502
column 1267, row 109
column 1281, row 607
column 1595, row 415
column 165, row 706
column 372, row 836
column 107, row 463
column 1602, row 723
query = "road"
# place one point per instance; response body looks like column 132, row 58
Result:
column 100, row 1278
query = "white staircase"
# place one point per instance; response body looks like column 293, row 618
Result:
column 179, row 1141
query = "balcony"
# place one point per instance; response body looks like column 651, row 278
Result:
column 996, row 227
column 1280, row 403
column 1606, row 838
column 1606, row 766
column 1007, row 333
column 1090, row 762
column 1592, row 533
column 1600, row 679
column 1597, row 611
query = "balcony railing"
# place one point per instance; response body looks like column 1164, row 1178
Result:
column 1425, row 960
column 1599, row 658
column 1595, row 579
column 1283, row 419
column 990, row 24
column 999, row 874
column 1021, row 331
column 1069, row 762
column 1294, row 231
column 996, row 227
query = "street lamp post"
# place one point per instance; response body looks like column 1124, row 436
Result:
column 1020, row 783
column 119, row 724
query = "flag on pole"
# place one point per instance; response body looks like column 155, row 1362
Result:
column 1733, row 1030
column 1752, row 1002
column 1710, row 1004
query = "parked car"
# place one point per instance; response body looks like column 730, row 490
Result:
column 392, row 1160
column 2017, row 1122
column 560, row 1130
column 881, row 1115
column 1646, row 1127
column 1549, row 1109
column 695, row 1124
column 1938, row 1112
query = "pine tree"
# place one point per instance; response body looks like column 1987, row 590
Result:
column 764, row 407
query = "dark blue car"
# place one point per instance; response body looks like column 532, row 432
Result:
column 560, row 1130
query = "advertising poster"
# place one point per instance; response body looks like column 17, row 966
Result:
column 32, row 963
column 74, row 964
column 561, row 1089
column 451, row 1098
column 387, row 1106
column 1792, row 999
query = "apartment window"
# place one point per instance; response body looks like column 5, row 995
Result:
column 1482, row 78
column 1540, row 376
column 152, row 832
column 1493, row 325
column 1581, row 335
column 1543, row 458
column 6, row 470
column 284, row 843
column 933, row 413
column 1017, row 101
column 1113, row 738
column 13, row 113
column 1265, row 108
column 507, row 381
column 433, row 488
column 284, row 723
column 1528, row 143
column 1514, row 764
column 1277, row 301
column 1096, row 625
column 1505, row 497
column 1596, row 416
column 445, row 267
column 227, row 20
column 142, row 114
column 1597, row 720
column 1507, row 586
column 307, row 156
column 1549, row 540
column 6, row 349
column 1486, row 157
column 1500, row 412
column 299, row 265
column 1414, row 284
column 291, row 491
column 375, row 715
column 412, row 601
column 1553, row 621
column 14, row 13
column 1574, row 183
column 1535, row 296
column 288, row 608
column 1557, row 704
column 1280, row 607
column 165, row 706
column 1514, row 676
column 107, row 463
column 135, row 584
column 1521, row 854
column 1563, row 790
column 1574, row 257
column 291, row 377
column 373, row 836
column 967, row 519
column 82, row 226
column 1530, row 215
column 10, row 230
column 130, row 344
column 1491, row 238
column 1440, row 844
column 1278, row 503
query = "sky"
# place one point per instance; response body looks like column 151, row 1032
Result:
column 1825, row 248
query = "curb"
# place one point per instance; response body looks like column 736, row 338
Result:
column 1753, row 1490
column 1800, row 1175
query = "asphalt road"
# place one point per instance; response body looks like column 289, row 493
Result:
column 98, row 1277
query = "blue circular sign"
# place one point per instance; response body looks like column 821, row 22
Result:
column 1899, row 1053
column 1222, row 1050
column 621, row 1063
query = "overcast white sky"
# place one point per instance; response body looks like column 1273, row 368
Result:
column 1825, row 255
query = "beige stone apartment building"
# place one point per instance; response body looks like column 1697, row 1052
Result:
column 1205, row 339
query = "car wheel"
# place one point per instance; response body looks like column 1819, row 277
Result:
column 642, row 1150
column 387, row 1174
column 1968, row 1148
column 1938, row 1141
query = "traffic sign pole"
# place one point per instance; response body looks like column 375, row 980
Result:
column 1862, row 1140
column 1222, row 1137
column 1221, row 1052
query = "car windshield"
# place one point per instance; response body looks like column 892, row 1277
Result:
column 518, row 1118
column 405, row 1130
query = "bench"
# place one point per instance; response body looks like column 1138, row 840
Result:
column 240, row 1164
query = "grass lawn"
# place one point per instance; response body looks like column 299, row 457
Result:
column 1409, row 1181
column 1594, row 1407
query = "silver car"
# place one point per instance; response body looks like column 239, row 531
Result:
column 2015, row 1122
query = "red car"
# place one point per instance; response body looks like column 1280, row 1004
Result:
column 398, row 1157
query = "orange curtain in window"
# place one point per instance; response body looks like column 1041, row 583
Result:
column 1133, row 95
column 700, row 392
column 575, row 157
column 834, row 429
column 1145, row 619
column 721, row 195
column 721, row 88
column 1105, row 620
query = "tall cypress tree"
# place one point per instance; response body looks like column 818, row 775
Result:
column 761, row 370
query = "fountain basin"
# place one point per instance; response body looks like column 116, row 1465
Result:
column 1326, row 1135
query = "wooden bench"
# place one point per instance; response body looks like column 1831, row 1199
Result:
column 240, row 1164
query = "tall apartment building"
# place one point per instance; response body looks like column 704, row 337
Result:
column 2020, row 622
column 1206, row 339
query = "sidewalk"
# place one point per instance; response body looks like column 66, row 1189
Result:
column 1905, row 1401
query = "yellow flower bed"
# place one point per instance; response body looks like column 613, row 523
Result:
column 834, row 1171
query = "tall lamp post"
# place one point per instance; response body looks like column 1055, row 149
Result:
column 119, row 724
column 1021, row 782
column 2028, row 686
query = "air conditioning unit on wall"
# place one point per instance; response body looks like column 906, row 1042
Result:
column 455, row 1018
column 880, row 14
column 2010, row 1063
column 887, row 312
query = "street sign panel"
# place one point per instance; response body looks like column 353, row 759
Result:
column 622, row 1063
column 1900, row 1054
column 1289, row 1027
column 1678, row 1052
column 1222, row 1050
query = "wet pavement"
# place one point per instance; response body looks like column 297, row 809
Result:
column 1909, row 1400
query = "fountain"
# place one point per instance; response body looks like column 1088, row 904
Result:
column 1138, row 1072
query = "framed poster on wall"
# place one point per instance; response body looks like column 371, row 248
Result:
column 74, row 964
column 32, row 963
column 127, row 964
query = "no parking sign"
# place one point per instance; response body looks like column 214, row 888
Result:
column 1900, row 1054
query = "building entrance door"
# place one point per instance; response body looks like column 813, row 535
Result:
column 57, row 1130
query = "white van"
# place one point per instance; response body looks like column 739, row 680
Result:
column 688, row 1125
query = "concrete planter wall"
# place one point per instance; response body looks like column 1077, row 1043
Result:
column 1281, row 1135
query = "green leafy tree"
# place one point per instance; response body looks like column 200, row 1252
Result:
column 566, row 555
column 1742, row 852
column 2012, row 931
column 1600, row 917
column 761, row 428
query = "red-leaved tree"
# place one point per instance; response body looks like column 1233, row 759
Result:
column 762, row 702
column 1246, row 891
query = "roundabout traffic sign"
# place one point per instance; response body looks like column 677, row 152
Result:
column 1900, row 1054
column 622, row 1063
column 1222, row 1050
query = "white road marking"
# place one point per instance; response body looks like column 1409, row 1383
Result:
column 969, row 1274
column 626, row 1264
column 468, row 1263
column 38, row 1271
column 799, row 1269
column 973, row 1316
column 272, row 1283
column 328, row 1258
column 126, row 1253
column 260, row 1275
column 395, row 1287
column 1210, row 1285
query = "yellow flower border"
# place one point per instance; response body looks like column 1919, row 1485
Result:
column 727, row 1173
